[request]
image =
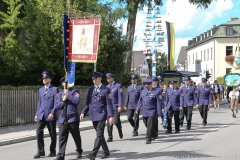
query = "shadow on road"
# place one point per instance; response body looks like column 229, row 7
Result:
column 172, row 154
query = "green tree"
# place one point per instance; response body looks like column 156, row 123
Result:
column 162, row 63
column 10, row 47
column 43, row 38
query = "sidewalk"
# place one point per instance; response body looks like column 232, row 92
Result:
column 22, row 133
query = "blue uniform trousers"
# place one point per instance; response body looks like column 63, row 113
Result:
column 133, row 119
column 99, row 127
column 150, row 124
column 117, row 123
column 51, row 125
column 187, row 112
column 170, row 114
column 203, row 109
column 63, row 137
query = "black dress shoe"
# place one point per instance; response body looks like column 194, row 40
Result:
column 38, row 155
column 90, row 156
column 148, row 141
column 109, row 139
column 53, row 154
column 105, row 155
column 79, row 155
column 135, row 134
column 188, row 128
column 121, row 135
column 154, row 137
column 168, row 132
column 177, row 131
column 59, row 158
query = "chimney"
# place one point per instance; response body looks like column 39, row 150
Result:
column 234, row 19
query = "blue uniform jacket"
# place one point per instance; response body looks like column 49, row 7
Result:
column 98, row 104
column 188, row 96
column 73, row 99
column 204, row 95
column 46, row 102
column 116, row 95
column 173, row 98
column 151, row 102
column 132, row 96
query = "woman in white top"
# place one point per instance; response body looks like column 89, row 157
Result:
column 234, row 95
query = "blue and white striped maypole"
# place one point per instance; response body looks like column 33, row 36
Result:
column 154, row 35
column 153, row 41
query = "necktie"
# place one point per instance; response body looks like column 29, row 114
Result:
column 97, row 89
column 46, row 89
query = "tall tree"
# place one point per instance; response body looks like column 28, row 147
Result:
column 10, row 47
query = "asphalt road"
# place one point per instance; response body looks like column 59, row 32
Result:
column 218, row 140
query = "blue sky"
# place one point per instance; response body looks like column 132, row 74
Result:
column 189, row 21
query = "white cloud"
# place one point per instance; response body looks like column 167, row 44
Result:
column 180, row 13
column 186, row 16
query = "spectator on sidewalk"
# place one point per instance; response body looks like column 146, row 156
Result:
column 234, row 97
column 216, row 94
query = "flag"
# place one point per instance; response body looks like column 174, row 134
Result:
column 171, row 45
column 71, row 73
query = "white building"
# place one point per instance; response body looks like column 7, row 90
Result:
column 139, row 64
column 207, row 51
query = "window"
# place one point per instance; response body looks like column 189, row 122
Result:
column 196, row 56
column 211, row 74
column 228, row 70
column 204, row 55
column 201, row 56
column 229, row 31
column 207, row 54
column 193, row 59
column 229, row 50
column 211, row 54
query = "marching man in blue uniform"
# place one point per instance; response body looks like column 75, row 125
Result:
column 204, row 99
column 172, row 106
column 68, row 120
column 131, row 100
column 187, row 101
column 46, row 101
column 99, row 106
column 117, row 98
column 151, row 103
column 155, row 82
